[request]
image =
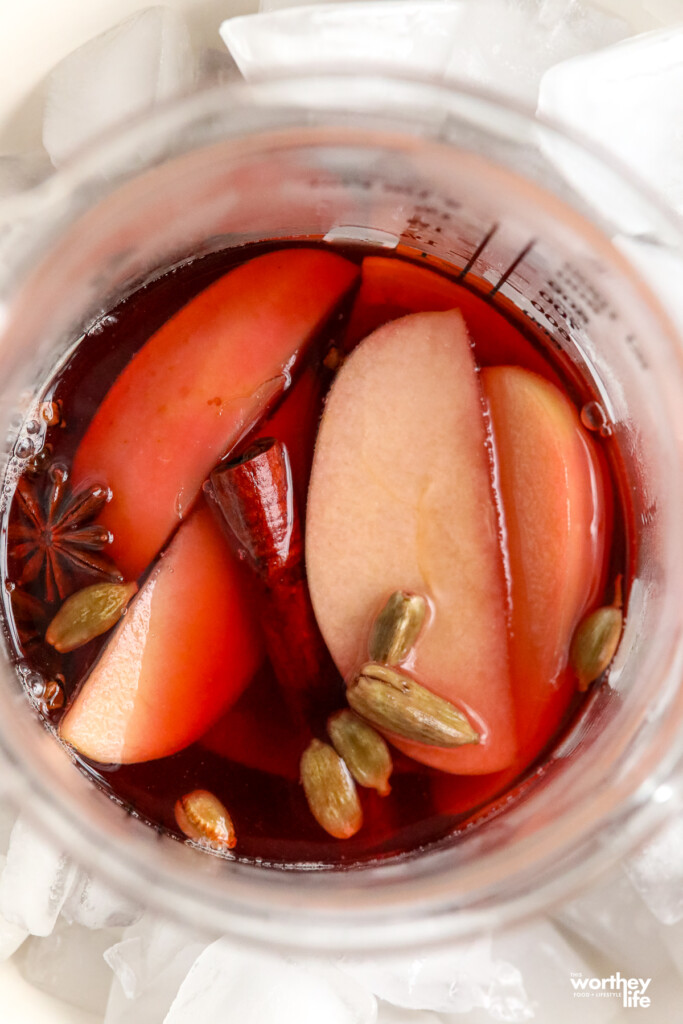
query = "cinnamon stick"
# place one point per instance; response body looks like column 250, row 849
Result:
column 253, row 496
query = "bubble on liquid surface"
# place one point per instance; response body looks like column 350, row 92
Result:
column 40, row 460
column 24, row 448
column 35, row 684
column 594, row 418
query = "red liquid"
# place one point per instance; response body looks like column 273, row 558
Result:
column 250, row 759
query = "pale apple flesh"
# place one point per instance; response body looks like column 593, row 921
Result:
column 400, row 499
column 185, row 650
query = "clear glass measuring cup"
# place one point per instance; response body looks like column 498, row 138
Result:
column 450, row 175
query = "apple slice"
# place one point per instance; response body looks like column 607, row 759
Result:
column 391, row 288
column 196, row 386
column 270, row 743
column 183, row 653
column 555, row 513
column 467, row 798
column 401, row 499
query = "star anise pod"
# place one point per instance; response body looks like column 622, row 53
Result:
column 54, row 535
column 30, row 615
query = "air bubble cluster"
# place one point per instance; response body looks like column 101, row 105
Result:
column 30, row 447
column 24, row 448
column 595, row 419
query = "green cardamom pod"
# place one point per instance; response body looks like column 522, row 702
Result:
column 364, row 751
column 330, row 790
column 595, row 643
column 397, row 627
column 397, row 703
column 88, row 613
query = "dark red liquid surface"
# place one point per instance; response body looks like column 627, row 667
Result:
column 260, row 786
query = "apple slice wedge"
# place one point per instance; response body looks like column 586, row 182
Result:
column 270, row 743
column 185, row 650
column 199, row 383
column 556, row 515
column 391, row 288
column 401, row 499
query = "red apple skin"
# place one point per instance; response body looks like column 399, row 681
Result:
column 391, row 288
column 467, row 797
column 270, row 743
column 185, row 650
column 295, row 423
column 240, row 736
column 196, row 387
column 556, row 514
column 401, row 498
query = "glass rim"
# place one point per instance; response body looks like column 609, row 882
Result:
column 431, row 919
column 77, row 169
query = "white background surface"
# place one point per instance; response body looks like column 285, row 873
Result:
column 22, row 1004
column 34, row 35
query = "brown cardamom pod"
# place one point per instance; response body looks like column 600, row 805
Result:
column 202, row 817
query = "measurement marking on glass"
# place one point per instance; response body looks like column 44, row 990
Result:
column 477, row 252
column 513, row 266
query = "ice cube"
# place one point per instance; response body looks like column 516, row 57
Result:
column 11, row 935
column 259, row 986
column 657, row 872
column 456, row 980
column 386, row 33
column 501, row 44
column 546, row 962
column 142, row 60
column 613, row 919
column 21, row 172
column 94, row 904
column 508, row 46
column 37, row 880
column 149, row 964
column 625, row 99
column 69, row 964
column 634, row 12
